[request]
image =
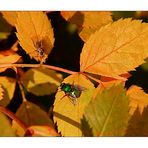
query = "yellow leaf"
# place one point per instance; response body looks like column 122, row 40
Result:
column 138, row 99
column 87, row 21
column 40, row 81
column 66, row 114
column 108, row 114
column 1, row 92
column 8, row 59
column 10, row 16
column 8, row 85
column 115, row 49
column 38, row 40
column 5, row 127
column 19, row 131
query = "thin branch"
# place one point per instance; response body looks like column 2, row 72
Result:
column 13, row 117
column 38, row 65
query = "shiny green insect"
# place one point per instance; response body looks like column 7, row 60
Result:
column 72, row 91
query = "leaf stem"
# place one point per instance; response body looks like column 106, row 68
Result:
column 13, row 117
column 39, row 65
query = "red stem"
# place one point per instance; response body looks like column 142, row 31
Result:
column 39, row 65
column 13, row 117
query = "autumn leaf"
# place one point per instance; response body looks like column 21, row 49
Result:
column 138, row 99
column 8, row 86
column 66, row 114
column 41, row 131
column 138, row 124
column 5, row 127
column 107, row 114
column 8, row 59
column 30, row 114
column 87, row 22
column 41, row 81
column 10, row 17
column 1, row 92
column 115, row 49
column 38, row 40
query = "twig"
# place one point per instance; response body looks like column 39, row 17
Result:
column 38, row 65
column 13, row 117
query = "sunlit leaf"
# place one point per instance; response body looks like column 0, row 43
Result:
column 41, row 131
column 107, row 114
column 1, row 92
column 38, row 40
column 138, row 124
column 8, row 86
column 138, row 99
column 40, row 81
column 66, row 114
column 87, row 21
column 8, row 59
column 5, row 127
column 10, row 17
column 115, row 49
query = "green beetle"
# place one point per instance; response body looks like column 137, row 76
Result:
column 72, row 91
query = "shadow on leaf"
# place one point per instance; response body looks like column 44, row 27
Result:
column 138, row 124
column 67, row 119
column 86, row 129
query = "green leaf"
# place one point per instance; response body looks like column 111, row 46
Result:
column 8, row 85
column 40, row 81
column 108, row 114
column 138, row 124
column 5, row 126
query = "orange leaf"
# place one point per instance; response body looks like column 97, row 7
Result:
column 11, row 58
column 38, row 40
column 10, row 16
column 115, row 49
column 87, row 21
column 138, row 99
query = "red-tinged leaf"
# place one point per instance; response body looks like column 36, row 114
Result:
column 41, row 131
column 107, row 114
column 115, row 49
column 138, row 99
